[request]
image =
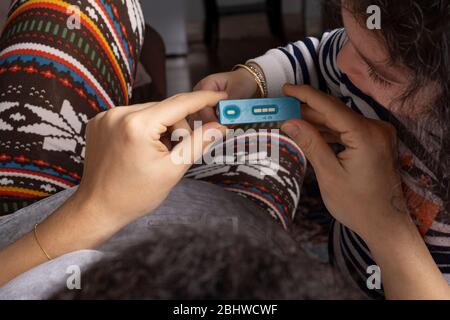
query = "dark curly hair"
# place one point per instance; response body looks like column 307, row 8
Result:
column 187, row 262
column 416, row 33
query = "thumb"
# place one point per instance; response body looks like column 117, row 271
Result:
column 193, row 146
column 316, row 149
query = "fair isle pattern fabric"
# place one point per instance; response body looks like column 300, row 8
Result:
column 263, row 166
column 54, row 77
column 314, row 62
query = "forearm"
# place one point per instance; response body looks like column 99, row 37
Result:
column 407, row 268
column 277, row 71
column 296, row 63
column 72, row 227
column 128, row 172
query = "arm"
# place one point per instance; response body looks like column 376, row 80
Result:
column 126, row 141
column 362, row 189
column 310, row 62
column 72, row 227
column 408, row 269
column 301, row 62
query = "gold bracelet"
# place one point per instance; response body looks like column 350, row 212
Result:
column 259, row 81
column 260, row 75
column 39, row 244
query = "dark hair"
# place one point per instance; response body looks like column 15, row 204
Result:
column 416, row 34
column 187, row 262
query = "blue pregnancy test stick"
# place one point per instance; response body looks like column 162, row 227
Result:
column 258, row 110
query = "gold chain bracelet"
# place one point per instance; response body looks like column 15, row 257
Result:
column 39, row 243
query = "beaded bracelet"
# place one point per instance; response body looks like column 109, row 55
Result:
column 260, row 81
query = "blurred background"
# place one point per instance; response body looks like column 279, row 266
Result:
column 200, row 37
column 206, row 36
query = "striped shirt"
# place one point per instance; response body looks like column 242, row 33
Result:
column 313, row 62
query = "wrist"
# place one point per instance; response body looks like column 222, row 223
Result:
column 80, row 223
column 407, row 267
column 90, row 208
column 251, row 81
column 394, row 225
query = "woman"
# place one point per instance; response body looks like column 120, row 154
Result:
column 125, row 156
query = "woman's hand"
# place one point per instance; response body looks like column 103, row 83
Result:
column 360, row 186
column 239, row 84
column 362, row 189
column 128, row 169
column 128, row 172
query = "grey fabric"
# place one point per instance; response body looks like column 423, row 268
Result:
column 190, row 202
column 42, row 281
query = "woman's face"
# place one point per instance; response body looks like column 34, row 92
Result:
column 366, row 62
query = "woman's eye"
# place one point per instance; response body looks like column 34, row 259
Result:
column 376, row 78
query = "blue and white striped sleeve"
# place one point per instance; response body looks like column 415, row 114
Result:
column 302, row 62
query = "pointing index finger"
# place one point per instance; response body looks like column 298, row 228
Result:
column 177, row 108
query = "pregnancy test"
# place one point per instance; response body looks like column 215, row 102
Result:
column 245, row 111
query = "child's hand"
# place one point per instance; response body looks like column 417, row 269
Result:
column 239, row 84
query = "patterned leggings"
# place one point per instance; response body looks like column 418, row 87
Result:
column 61, row 63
